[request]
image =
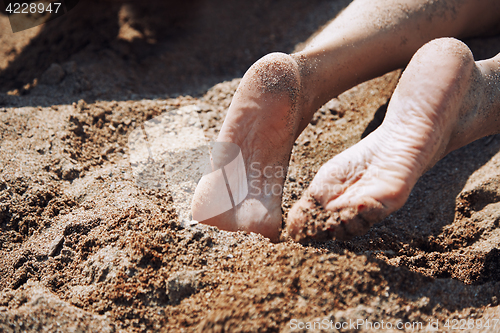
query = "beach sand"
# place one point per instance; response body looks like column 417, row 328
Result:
column 84, row 249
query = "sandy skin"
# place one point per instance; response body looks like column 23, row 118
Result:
column 443, row 101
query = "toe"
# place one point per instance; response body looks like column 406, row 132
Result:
column 298, row 218
column 309, row 219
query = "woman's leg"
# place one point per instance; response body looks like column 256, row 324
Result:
column 370, row 38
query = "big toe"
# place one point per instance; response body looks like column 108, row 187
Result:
column 308, row 219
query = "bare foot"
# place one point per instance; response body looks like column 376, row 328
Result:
column 443, row 101
column 263, row 120
column 279, row 94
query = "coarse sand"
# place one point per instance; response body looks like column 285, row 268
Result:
column 84, row 249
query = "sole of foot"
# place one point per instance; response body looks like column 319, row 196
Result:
column 439, row 105
column 263, row 120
